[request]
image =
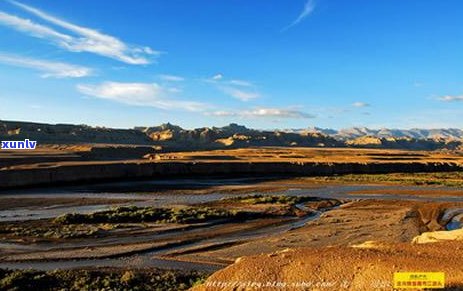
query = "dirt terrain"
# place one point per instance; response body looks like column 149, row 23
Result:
column 369, row 267
column 313, row 226
column 355, row 247
column 294, row 227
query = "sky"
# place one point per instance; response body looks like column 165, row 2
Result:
column 261, row 63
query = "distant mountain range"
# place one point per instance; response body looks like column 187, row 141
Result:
column 172, row 137
column 416, row 133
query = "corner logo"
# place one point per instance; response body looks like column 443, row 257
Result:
column 19, row 145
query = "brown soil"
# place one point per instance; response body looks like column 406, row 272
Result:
column 103, row 249
column 352, row 223
column 355, row 247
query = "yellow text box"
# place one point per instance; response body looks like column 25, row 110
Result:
column 419, row 280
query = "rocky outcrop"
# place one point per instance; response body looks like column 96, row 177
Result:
column 368, row 141
column 439, row 236
column 68, row 133
column 232, row 136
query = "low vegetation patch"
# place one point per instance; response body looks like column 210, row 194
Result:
column 272, row 199
column 98, row 280
column 133, row 214
column 56, row 232
column 449, row 179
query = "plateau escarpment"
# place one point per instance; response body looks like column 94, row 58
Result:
column 239, row 162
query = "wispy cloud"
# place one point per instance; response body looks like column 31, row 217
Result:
column 171, row 78
column 139, row 94
column 47, row 68
column 77, row 38
column 217, row 77
column 360, row 104
column 221, row 113
column 277, row 112
column 274, row 113
column 33, row 29
column 309, row 7
column 449, row 98
column 238, row 89
column 241, row 83
column 239, row 93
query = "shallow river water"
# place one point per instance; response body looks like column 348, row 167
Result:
column 147, row 193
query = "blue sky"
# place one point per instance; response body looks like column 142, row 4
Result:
column 261, row 63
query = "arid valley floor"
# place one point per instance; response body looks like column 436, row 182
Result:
column 242, row 219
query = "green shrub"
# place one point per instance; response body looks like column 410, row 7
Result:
column 135, row 214
column 272, row 199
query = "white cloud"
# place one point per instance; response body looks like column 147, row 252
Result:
column 48, row 68
column 171, row 78
column 360, row 104
column 35, row 106
column 275, row 113
column 451, row 98
column 221, row 113
column 239, row 93
column 217, row 77
column 239, row 89
column 84, row 39
column 309, row 7
column 33, row 29
column 174, row 90
column 139, row 94
column 241, row 83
